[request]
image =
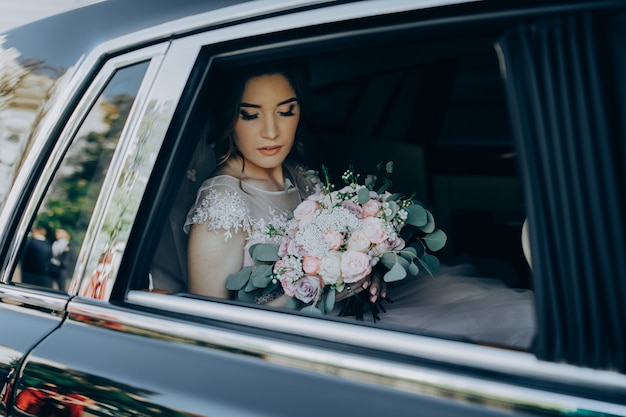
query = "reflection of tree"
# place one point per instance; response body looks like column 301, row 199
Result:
column 74, row 195
column 109, row 397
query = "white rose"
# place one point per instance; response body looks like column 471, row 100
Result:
column 330, row 268
column 358, row 241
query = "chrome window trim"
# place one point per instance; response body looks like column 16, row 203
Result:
column 431, row 348
column 155, row 55
column 50, row 301
column 358, row 367
column 65, row 138
column 130, row 169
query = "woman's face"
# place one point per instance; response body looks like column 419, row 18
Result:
column 266, row 126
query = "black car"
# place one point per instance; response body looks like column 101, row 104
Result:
column 496, row 114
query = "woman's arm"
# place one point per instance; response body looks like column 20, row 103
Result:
column 210, row 259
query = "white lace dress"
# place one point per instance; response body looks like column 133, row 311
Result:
column 453, row 303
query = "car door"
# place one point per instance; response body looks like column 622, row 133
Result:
column 64, row 197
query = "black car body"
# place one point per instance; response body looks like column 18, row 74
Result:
column 492, row 112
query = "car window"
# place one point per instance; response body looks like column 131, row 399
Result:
column 417, row 103
column 50, row 251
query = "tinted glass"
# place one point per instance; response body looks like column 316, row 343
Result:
column 49, row 254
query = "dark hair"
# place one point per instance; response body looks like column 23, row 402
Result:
column 229, row 87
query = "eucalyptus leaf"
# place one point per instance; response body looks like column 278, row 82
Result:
column 418, row 247
column 264, row 252
column 411, row 250
column 386, row 184
column 408, row 254
column 436, row 240
column 329, row 300
column 261, row 276
column 430, row 263
column 429, row 227
column 395, row 208
column 250, row 286
column 363, row 195
column 312, row 310
column 389, row 167
column 389, row 259
column 237, row 281
column 396, row 273
column 293, row 303
column 418, row 215
column 370, row 181
column 413, row 269
column 249, row 297
column 394, row 197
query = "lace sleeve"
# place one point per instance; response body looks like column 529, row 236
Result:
column 219, row 209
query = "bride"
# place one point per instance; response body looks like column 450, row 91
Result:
column 256, row 181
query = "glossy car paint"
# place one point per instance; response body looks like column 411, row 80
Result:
column 111, row 359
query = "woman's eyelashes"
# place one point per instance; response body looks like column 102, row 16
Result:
column 245, row 115
column 289, row 112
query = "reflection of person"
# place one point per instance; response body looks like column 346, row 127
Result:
column 247, row 191
column 60, row 251
column 36, row 259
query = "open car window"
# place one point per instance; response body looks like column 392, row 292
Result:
column 434, row 107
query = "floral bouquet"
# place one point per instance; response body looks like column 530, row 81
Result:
column 335, row 238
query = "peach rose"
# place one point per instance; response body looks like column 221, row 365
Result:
column 333, row 239
column 310, row 265
column 354, row 266
column 373, row 229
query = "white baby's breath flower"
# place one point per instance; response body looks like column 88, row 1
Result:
column 311, row 235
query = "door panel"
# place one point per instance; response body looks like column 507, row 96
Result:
column 115, row 368
column 23, row 322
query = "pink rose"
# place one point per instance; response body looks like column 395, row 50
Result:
column 353, row 208
column 295, row 249
column 358, row 241
column 387, row 245
column 307, row 288
column 318, row 196
column 305, row 212
column 346, row 190
column 373, row 229
column 283, row 247
column 288, row 285
column 354, row 266
column 310, row 265
column 333, row 239
column 398, row 244
column 370, row 209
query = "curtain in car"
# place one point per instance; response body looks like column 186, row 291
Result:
column 559, row 75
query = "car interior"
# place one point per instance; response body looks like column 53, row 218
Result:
column 437, row 109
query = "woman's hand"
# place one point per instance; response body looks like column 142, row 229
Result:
column 373, row 283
